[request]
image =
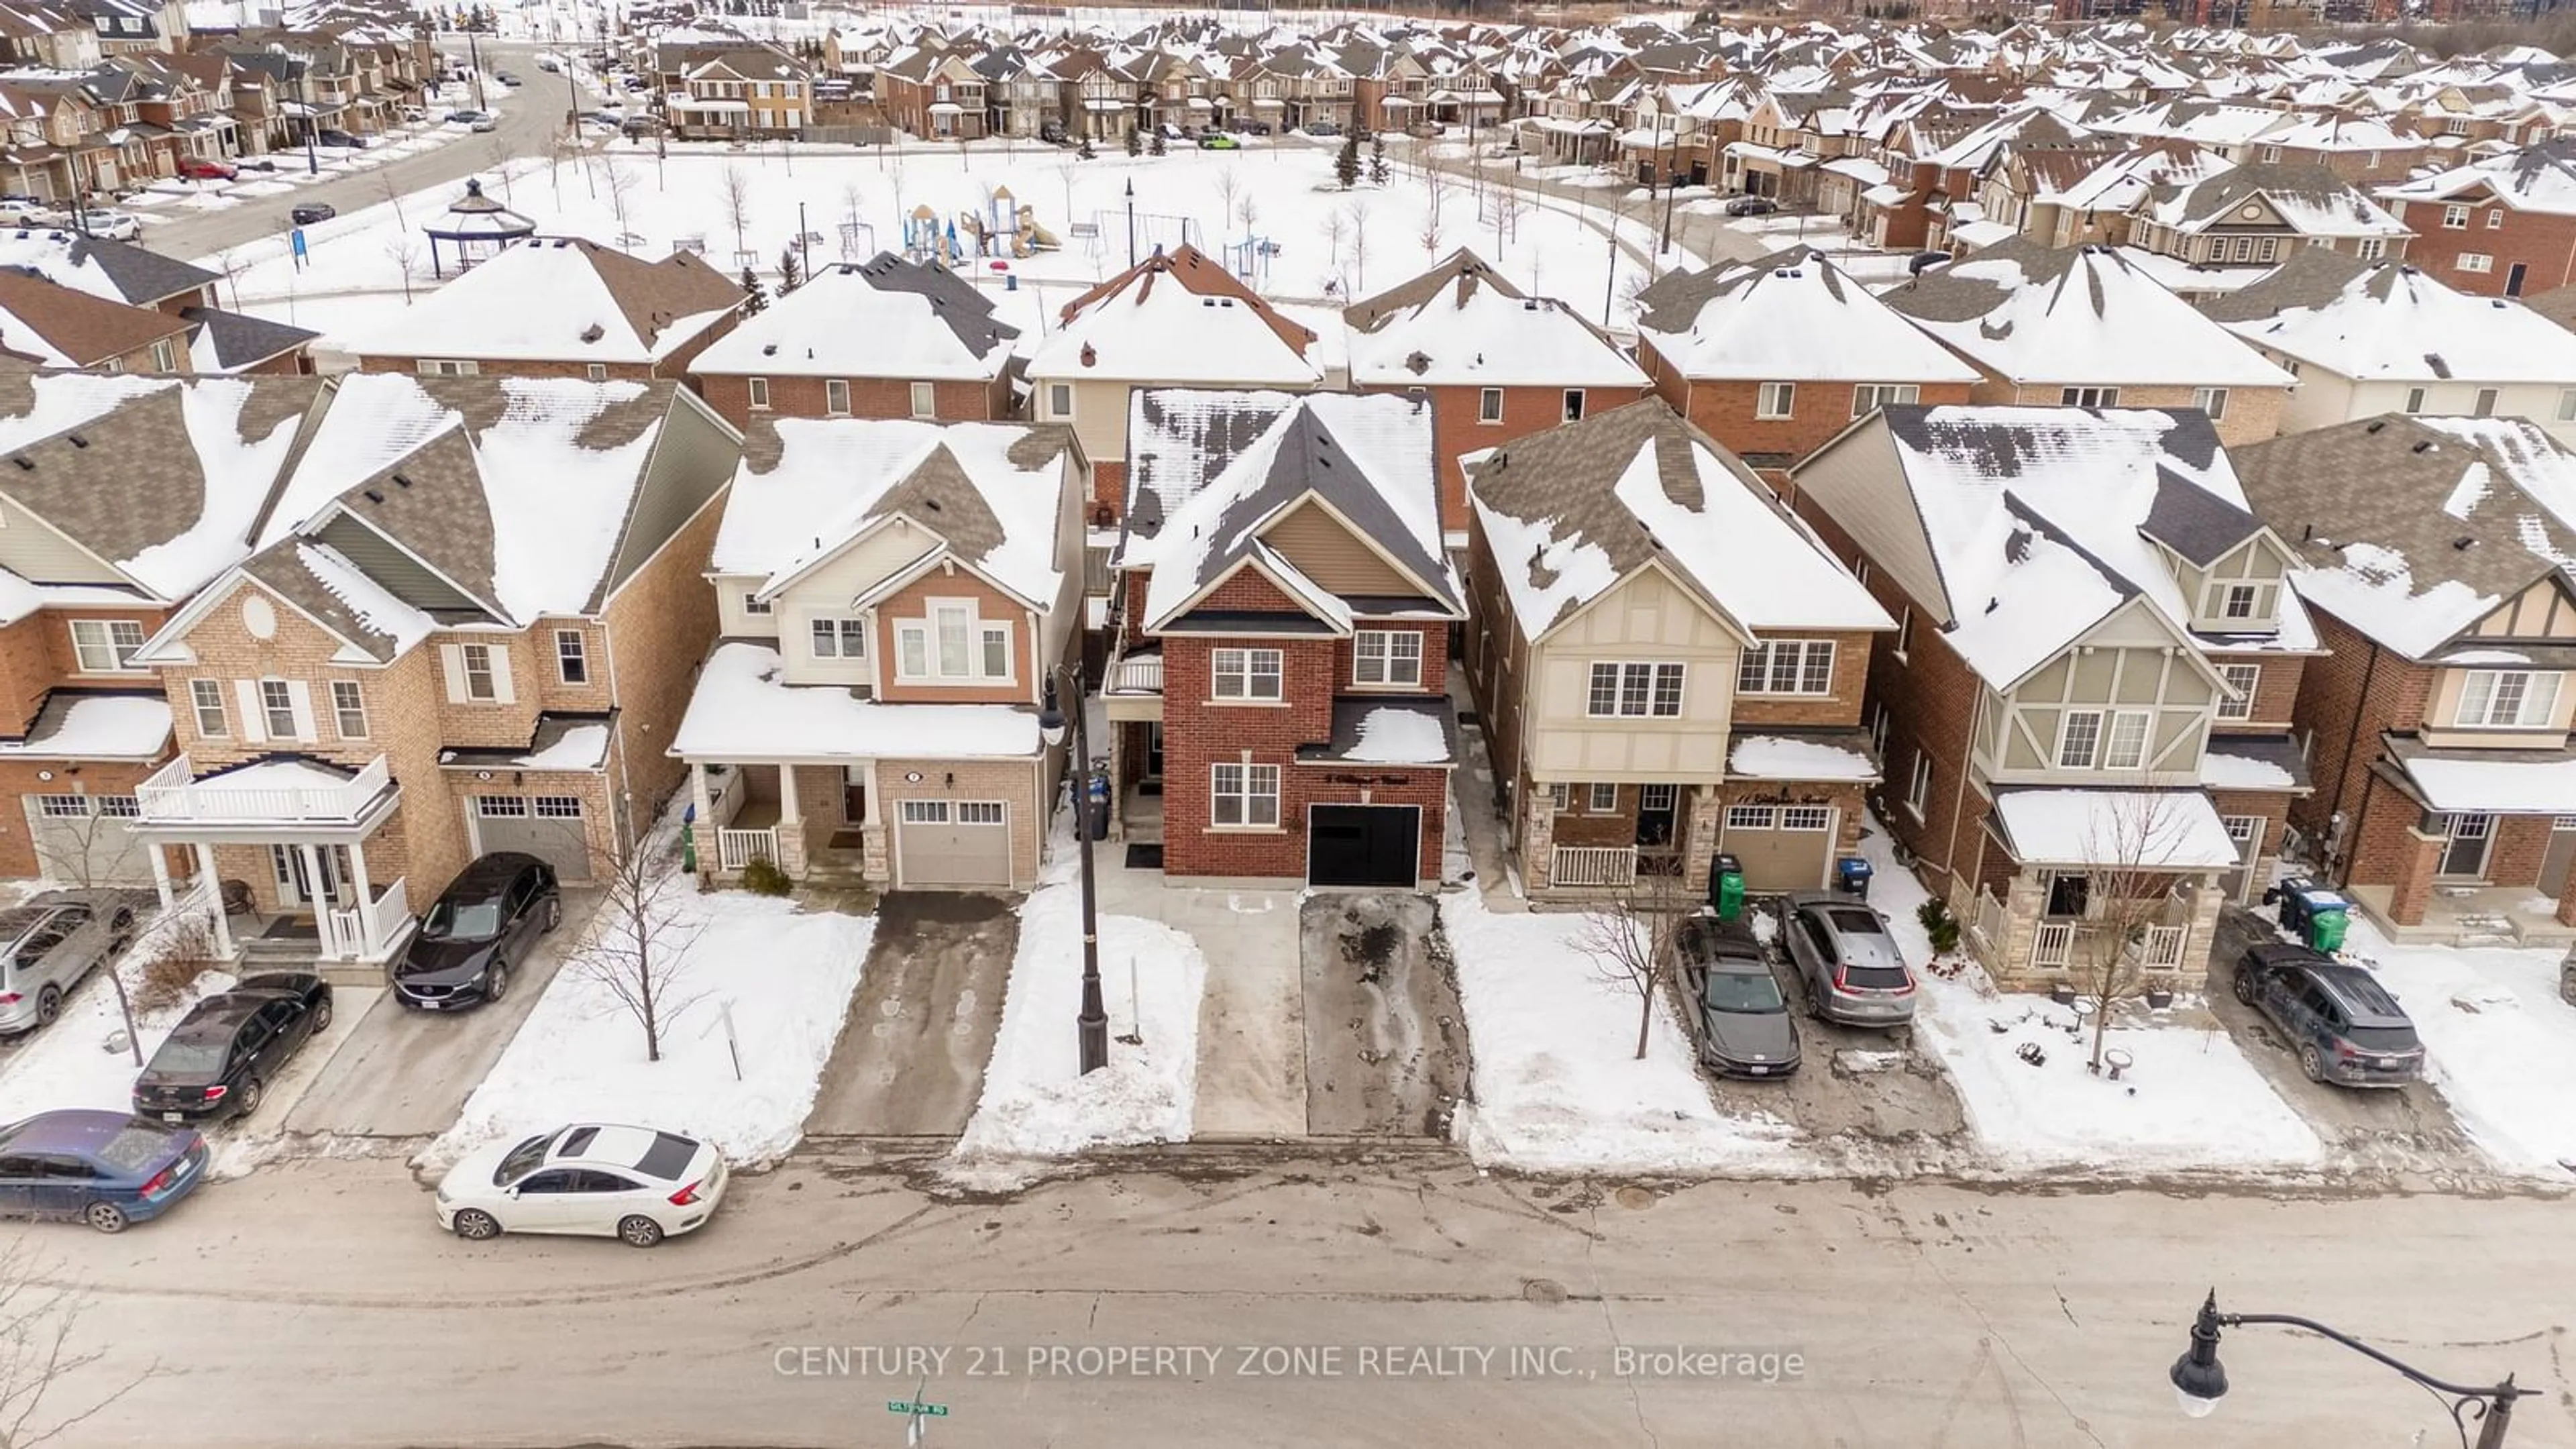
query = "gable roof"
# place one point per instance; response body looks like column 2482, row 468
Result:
column 562, row 299
column 2311, row 198
column 118, row 271
column 885, row 317
column 2075, row 315
column 2390, row 321
column 1177, row 317
column 1791, row 316
column 1463, row 323
column 56, row 326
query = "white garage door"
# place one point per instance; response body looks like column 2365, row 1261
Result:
column 953, row 843
column 1783, row 847
column 87, row 839
column 549, row 827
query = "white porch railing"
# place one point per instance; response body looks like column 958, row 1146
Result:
column 738, row 848
column 1137, row 674
column 2053, row 944
column 2162, row 948
column 1593, row 865
column 172, row 793
column 369, row 929
column 1994, row 922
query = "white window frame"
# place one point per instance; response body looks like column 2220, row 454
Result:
column 2241, row 707
column 983, row 812
column 2371, row 248
column 995, row 666
column 109, row 646
column 1869, row 397
column 2211, row 400
column 164, row 357
column 1060, row 400
column 1601, row 797
column 847, row 637
column 348, row 700
column 2475, row 263
column 1775, row 400
column 2415, row 400
column 596, row 372
column 2088, row 397
column 836, row 397
column 1560, row 797
column 1238, row 675
column 205, row 695
column 1665, row 796
column 1651, row 686
column 2455, row 216
column 1239, row 789
column 1918, row 783
column 2484, row 404
column 1382, row 652
column 753, row 603
column 2567, row 405
column 1752, row 817
column 758, row 390
column 572, row 657
column 1766, row 660
column 1806, row 819
column 2531, row 694
column 2495, row 218
column 466, row 671
column 922, row 812
column 1573, row 405
column 277, row 697
column 1489, row 406
column 2126, row 739
column 925, row 400
column 2090, row 741
column 449, row 367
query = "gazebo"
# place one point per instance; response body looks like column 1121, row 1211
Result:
column 477, row 227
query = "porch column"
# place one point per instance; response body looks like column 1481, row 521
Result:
column 1699, row 846
column 366, row 945
column 2411, row 889
column 1538, row 837
column 223, row 922
column 707, row 822
column 791, row 824
column 875, row 866
column 1118, row 781
column 161, row 875
column 322, row 905
column 2567, row 901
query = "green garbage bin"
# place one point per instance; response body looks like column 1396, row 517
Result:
column 2326, row 927
column 1726, row 887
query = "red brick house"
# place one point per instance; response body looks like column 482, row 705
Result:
column 2501, row 227
column 1278, row 693
column 561, row 307
column 1495, row 362
column 883, row 338
column 113, row 271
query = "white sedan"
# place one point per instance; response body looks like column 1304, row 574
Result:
column 631, row 1183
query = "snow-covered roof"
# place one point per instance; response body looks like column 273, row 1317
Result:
column 994, row 492
column 743, row 709
column 884, row 318
column 2391, row 322
column 1790, row 317
column 2140, row 829
column 1176, row 319
column 2539, row 179
column 2511, row 787
column 1463, row 324
column 1782, row 757
column 555, row 299
column 1393, row 735
column 2075, row 316
column 95, row 727
column 2311, row 199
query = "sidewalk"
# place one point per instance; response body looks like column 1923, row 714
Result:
column 1252, row 1018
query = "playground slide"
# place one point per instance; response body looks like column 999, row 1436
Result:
column 1039, row 237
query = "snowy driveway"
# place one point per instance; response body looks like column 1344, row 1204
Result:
column 1386, row 1045
column 910, row 1062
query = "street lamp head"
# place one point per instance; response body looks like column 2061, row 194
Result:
column 2199, row 1380
column 1051, row 722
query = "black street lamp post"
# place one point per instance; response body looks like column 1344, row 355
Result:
column 2200, row 1381
column 1094, row 1018
column 1131, row 222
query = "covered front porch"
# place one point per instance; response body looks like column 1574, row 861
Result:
column 807, row 818
column 2468, row 846
column 296, row 833
column 2070, row 876
column 1131, row 699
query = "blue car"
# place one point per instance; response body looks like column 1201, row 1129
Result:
column 102, row 1168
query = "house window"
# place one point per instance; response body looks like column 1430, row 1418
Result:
column 1560, row 796
column 2475, row 262
column 1059, row 400
column 1603, row 798
column 572, row 657
column 348, row 709
column 2267, row 249
column 2485, row 405
column 1574, row 404
column 982, row 812
column 1243, row 796
column 441, row 367
column 1386, row 656
column 836, row 397
column 996, row 640
column 2455, row 217
column 839, row 639
column 924, row 812
column 164, row 359
column 759, row 394
column 1918, row 783
column 208, row 697
column 2414, row 400
column 1775, row 400
column 106, row 646
column 2069, row 895
column 925, row 400
column 476, row 661
column 912, row 650
column 2240, row 601
column 2079, row 739
column 1245, row 673
column 2370, row 248
column 2495, row 219
column 2243, row 829
column 1659, row 797
column 1635, row 691
column 1489, row 405
column 2211, row 400
column 2506, row 699
column 1787, row 666
column 2241, row 678
column 1904, row 632
column 596, row 371
column 1869, row 397
column 2126, row 747
column 754, row 604
column 949, row 627
column 2567, row 405
column 277, row 707
column 2089, row 397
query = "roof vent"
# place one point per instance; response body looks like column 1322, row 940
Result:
column 1529, row 304
column 2424, row 447
column 2375, row 425
column 25, row 463
column 2463, row 543
column 375, row 496
column 593, row 332
column 402, row 480
column 769, row 349
column 930, row 505
column 76, row 440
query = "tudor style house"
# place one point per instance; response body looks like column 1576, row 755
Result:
column 1278, row 690
column 883, row 338
column 1496, row 363
column 1668, row 662
column 2090, row 676
column 560, row 307
column 895, row 598
column 467, row 626
column 2433, row 552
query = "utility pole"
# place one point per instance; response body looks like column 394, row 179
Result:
column 1610, row 283
column 1672, row 180
column 304, row 82
column 804, row 242
column 474, row 61
column 1131, row 223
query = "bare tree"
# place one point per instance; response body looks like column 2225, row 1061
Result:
column 735, row 188
column 501, row 154
column 638, row 952
column 1436, row 185
column 852, row 195
column 38, row 1351
column 2126, row 902
column 393, row 193
column 621, row 197
column 1247, row 210
column 1229, row 185
column 403, row 250
column 230, row 260
column 1359, row 214
column 1631, row 938
column 1336, row 228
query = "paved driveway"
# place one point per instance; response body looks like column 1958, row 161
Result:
column 1386, row 1045
column 910, row 1062
column 406, row 1073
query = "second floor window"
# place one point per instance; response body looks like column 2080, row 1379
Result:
column 836, row 396
column 1489, row 405
column 2242, row 678
column 1869, row 397
column 1787, row 666
column 2506, row 699
column 349, row 709
column 1386, row 656
column 2211, row 400
column 572, row 657
column 1635, row 691
column 2089, row 397
column 207, row 696
column 925, row 400
column 277, row 706
column 1245, row 673
column 106, row 646
column 477, row 663
column 759, row 388
column 2116, row 740
column 1059, row 400
column 1776, row 400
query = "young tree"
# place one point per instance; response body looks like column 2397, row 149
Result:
column 790, row 273
column 851, row 196
column 392, row 193
column 1229, row 186
column 1631, row 937
column 759, row 298
column 621, row 197
column 1247, row 210
column 1346, row 163
column 2127, row 897
column 1156, row 144
column 1359, row 214
column 501, row 154
column 1377, row 159
column 639, row 954
column 403, row 251
column 735, row 188
column 1336, row 228
column 1436, row 185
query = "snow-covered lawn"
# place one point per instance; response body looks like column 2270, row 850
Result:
column 785, row 974
column 68, row 1065
column 2190, row 1099
column 2498, row 1042
column 1559, row 1087
column 1036, row 1102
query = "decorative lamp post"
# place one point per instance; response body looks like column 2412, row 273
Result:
column 1093, row 1022
column 2200, row 1381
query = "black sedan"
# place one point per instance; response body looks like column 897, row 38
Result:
column 486, row 921
column 218, row 1062
column 1752, row 206
column 312, row 212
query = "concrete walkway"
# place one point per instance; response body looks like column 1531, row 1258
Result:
column 1252, row 1019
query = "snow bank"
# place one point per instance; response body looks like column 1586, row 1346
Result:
column 786, row 974
column 2498, row 1042
column 1558, row 1086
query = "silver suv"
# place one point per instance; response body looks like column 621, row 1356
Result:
column 48, row 945
column 1853, row 971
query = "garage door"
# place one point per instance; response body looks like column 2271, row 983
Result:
column 85, row 839
column 1783, row 847
column 947, row 844
column 549, row 827
column 1364, row 845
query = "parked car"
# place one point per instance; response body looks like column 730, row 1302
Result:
column 218, row 1061
column 485, row 923
column 632, row 1183
column 311, row 212
column 1254, row 128
column 28, row 211
column 255, row 163
column 110, row 223
column 338, row 139
column 1322, row 128
column 1752, row 206
column 1737, row 1014
column 49, row 945
column 1852, row 969
column 1052, row 133
column 1213, row 139
column 549, row 65
column 205, row 168
column 505, row 78
column 465, row 116
column 2344, row 1025
column 485, row 125
column 101, row 1168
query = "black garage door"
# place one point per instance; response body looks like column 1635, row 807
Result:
column 1363, row 845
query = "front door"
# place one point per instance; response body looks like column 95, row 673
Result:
column 2513, row 280
column 2562, row 853
column 296, row 885
column 1655, row 815
column 2464, row 852
column 854, row 794
column 1154, row 751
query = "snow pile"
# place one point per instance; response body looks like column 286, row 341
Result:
column 1558, row 1085
column 780, row 975
column 2498, row 1041
column 1037, row 1103
column 1390, row 736
column 1778, row 757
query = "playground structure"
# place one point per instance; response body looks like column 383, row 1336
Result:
column 1006, row 227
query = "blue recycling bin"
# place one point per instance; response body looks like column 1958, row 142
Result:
column 1096, row 803
column 1851, row 876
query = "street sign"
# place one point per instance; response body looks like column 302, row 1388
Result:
column 902, row 1406
column 295, row 240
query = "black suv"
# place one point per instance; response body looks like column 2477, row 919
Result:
column 485, row 922
column 2344, row 1025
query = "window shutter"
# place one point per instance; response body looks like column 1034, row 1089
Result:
column 299, row 697
column 451, row 658
column 501, row 675
column 254, row 717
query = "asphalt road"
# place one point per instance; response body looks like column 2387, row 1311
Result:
column 530, row 119
column 316, row 1303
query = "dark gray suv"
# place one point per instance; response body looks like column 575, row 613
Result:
column 2344, row 1025
column 1737, row 1015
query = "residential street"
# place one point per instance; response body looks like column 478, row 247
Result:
column 1928, row 1315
